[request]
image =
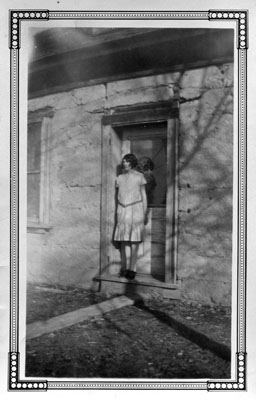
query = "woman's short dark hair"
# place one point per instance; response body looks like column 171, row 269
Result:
column 131, row 158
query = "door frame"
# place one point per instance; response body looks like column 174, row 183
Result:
column 146, row 113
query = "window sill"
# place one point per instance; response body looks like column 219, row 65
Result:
column 38, row 228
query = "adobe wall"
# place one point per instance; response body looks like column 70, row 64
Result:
column 205, row 184
column 69, row 253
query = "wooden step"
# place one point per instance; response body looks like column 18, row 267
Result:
column 140, row 286
column 142, row 280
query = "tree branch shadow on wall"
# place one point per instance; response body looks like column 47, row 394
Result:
column 219, row 190
column 195, row 158
column 204, row 169
column 205, row 175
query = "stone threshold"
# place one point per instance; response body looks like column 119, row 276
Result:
column 139, row 280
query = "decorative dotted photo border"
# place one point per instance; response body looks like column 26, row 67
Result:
column 19, row 17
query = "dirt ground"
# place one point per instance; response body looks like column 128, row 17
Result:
column 154, row 338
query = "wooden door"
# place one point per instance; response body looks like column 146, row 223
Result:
column 151, row 141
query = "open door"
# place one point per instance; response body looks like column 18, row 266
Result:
column 150, row 142
column 157, row 254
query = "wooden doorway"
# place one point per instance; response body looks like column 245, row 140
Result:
column 156, row 140
column 150, row 140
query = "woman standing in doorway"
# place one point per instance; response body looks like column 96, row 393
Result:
column 131, row 212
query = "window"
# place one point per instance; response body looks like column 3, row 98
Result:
column 38, row 171
column 34, row 171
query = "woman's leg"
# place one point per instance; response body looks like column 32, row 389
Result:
column 127, row 253
column 134, row 255
column 123, row 257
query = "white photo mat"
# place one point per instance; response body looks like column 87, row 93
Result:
column 20, row 20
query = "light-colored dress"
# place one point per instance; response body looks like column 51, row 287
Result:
column 130, row 213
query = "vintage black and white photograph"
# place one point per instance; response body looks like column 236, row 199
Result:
column 132, row 261
column 129, row 203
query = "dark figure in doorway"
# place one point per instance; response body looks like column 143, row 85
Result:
column 146, row 166
column 131, row 212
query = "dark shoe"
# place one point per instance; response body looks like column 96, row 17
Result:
column 127, row 274
column 132, row 274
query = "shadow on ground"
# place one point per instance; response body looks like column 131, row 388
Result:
column 155, row 338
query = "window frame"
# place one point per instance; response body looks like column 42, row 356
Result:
column 42, row 224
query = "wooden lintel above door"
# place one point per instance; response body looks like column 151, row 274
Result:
column 160, row 111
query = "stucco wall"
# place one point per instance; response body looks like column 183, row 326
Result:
column 205, row 183
column 69, row 253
